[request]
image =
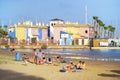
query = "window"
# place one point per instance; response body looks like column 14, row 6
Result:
column 86, row 31
column 52, row 24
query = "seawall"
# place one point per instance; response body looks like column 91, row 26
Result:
column 104, row 48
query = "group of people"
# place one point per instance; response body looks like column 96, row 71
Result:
column 38, row 57
column 71, row 67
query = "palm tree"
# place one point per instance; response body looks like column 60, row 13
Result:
column 95, row 22
column 99, row 22
column 112, row 31
column 101, row 28
column 105, row 29
column 109, row 31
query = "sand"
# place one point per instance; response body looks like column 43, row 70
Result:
column 17, row 70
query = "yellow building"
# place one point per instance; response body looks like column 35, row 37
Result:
column 20, row 33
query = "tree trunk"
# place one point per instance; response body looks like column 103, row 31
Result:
column 98, row 30
column 113, row 34
column 104, row 33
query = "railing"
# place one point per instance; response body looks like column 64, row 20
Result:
column 28, row 43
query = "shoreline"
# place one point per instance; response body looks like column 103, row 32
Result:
column 60, row 47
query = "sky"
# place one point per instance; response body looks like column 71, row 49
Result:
column 12, row 11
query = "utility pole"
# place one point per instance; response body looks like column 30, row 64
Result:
column 86, row 15
column 36, row 20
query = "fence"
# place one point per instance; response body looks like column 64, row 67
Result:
column 6, row 42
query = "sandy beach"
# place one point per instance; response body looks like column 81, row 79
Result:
column 10, row 69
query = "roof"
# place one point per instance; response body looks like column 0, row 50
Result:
column 56, row 19
column 29, row 26
column 73, row 25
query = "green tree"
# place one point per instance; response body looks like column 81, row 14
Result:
column 95, row 18
column 98, row 28
column 112, row 31
column 105, row 31
column 3, row 33
column 109, row 31
column 0, row 27
column 101, row 28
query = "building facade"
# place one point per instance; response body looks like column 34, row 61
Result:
column 65, row 33
column 74, row 33
column 27, row 31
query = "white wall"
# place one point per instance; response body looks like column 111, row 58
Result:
column 86, row 41
column 51, row 26
column 80, row 41
column 103, row 44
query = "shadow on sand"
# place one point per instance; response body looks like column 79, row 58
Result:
column 11, row 75
column 115, row 75
column 116, row 71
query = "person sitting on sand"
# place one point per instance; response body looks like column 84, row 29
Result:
column 49, row 61
column 71, row 65
column 83, row 66
column 79, row 65
column 63, row 69
column 44, row 58
column 74, row 69
column 58, row 60
column 25, row 58
column 68, row 67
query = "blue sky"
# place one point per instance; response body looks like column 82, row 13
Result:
column 12, row 11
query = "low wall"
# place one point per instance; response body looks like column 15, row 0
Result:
column 106, row 48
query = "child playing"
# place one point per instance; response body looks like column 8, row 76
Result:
column 25, row 58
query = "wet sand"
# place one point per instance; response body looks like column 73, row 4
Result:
column 17, row 70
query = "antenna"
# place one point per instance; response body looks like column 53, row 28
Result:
column 36, row 19
column 118, row 27
column 22, row 20
column 86, row 15
column 10, row 22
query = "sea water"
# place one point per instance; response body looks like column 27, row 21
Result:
column 103, row 55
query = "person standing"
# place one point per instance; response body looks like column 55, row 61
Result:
column 35, row 56
column 39, row 55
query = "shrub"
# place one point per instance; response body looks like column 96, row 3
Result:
column 33, row 40
column 72, row 42
column 44, row 46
